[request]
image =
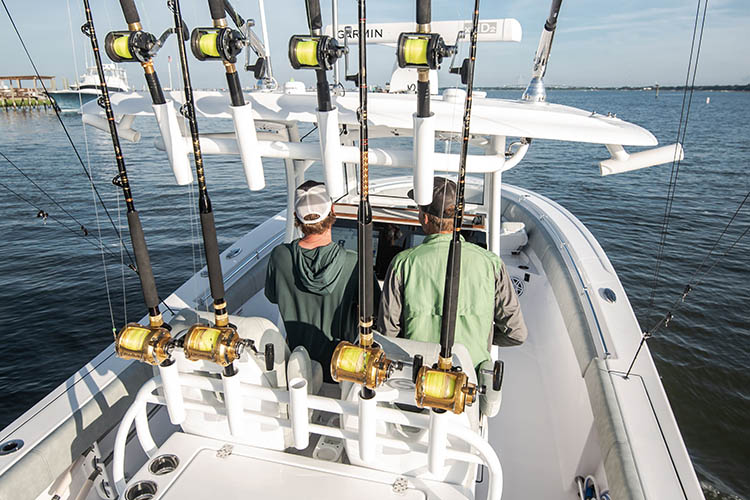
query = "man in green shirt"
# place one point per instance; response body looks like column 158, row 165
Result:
column 314, row 281
column 412, row 300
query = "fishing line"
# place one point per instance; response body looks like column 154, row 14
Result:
column 80, row 224
column 48, row 216
column 681, row 133
column 677, row 304
column 59, row 118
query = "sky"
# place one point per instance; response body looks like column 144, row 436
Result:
column 627, row 42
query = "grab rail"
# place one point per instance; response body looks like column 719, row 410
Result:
column 482, row 453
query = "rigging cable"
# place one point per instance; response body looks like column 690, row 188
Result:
column 664, row 321
column 681, row 132
column 70, row 139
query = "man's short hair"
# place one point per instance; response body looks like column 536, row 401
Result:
column 438, row 224
column 319, row 227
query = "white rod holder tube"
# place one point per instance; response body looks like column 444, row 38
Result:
column 123, row 126
column 424, row 162
column 174, row 143
column 247, row 140
column 367, row 423
column 299, row 411
column 438, row 441
column 173, row 392
column 330, row 152
column 496, row 148
column 233, row 402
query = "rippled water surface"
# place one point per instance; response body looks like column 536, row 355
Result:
column 55, row 296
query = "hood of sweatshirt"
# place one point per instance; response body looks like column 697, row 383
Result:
column 318, row 269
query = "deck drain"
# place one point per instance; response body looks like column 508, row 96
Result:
column 164, row 464
column 11, row 446
column 518, row 284
column 142, row 490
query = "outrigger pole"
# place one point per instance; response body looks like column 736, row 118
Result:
column 535, row 92
column 143, row 262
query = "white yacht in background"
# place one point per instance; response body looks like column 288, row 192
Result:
column 575, row 420
column 87, row 87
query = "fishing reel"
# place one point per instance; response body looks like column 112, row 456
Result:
column 422, row 50
column 148, row 344
column 217, row 44
column 314, row 52
column 365, row 366
column 446, row 390
column 221, row 345
column 129, row 46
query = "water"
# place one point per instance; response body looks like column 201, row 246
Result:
column 53, row 291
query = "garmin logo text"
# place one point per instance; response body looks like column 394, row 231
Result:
column 485, row 27
column 371, row 33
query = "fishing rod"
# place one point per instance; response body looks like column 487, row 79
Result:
column 535, row 91
column 143, row 262
column 220, row 343
column 320, row 53
column 137, row 45
column 221, row 43
column 346, row 362
column 424, row 51
column 430, row 382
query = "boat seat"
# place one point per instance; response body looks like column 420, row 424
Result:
column 300, row 365
column 251, row 369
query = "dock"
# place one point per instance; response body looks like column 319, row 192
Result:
column 15, row 96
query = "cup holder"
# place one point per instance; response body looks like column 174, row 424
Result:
column 164, row 464
column 142, row 490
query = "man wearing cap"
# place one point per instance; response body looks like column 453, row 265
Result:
column 313, row 280
column 412, row 301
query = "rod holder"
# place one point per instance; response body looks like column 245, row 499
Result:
column 330, row 152
column 299, row 409
column 172, row 391
column 424, row 159
column 437, row 443
column 174, row 143
column 367, row 427
column 247, row 141
column 233, row 401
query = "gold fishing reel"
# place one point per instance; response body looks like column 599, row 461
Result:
column 129, row 46
column 149, row 344
column 314, row 52
column 366, row 366
column 217, row 44
column 422, row 50
column 219, row 344
column 444, row 389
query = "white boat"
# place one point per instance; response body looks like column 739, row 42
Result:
column 87, row 87
column 572, row 423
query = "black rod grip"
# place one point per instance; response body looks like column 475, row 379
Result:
column 142, row 261
column 424, row 11
column 217, row 9
column 130, row 12
column 323, row 91
column 423, row 99
column 154, row 88
column 235, row 89
column 450, row 299
column 314, row 17
column 215, row 278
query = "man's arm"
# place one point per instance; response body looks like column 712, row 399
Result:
column 510, row 328
column 389, row 313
